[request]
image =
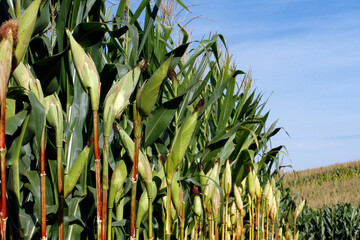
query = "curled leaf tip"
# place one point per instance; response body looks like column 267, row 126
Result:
column 199, row 105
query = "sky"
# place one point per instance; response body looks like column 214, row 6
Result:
column 305, row 58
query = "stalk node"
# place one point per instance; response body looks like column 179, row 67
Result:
column 42, row 174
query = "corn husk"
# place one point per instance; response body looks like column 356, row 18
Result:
column 118, row 96
column 148, row 93
column 210, row 185
column 238, row 199
column 87, row 72
column 116, row 183
column 24, row 78
column 227, row 179
column 8, row 31
column 54, row 116
column 71, row 178
column 299, row 209
column 180, row 144
column 144, row 167
column 26, row 27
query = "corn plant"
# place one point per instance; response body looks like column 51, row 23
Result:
column 96, row 91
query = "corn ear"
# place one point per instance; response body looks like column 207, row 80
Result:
column 267, row 190
column 238, row 200
column 251, row 183
column 26, row 27
column 25, row 79
column 257, row 188
column 71, row 178
column 144, row 167
column 142, row 209
column 54, row 116
column 197, row 205
column 203, row 179
column 148, row 93
column 210, row 185
column 216, row 202
column 116, row 183
column 233, row 213
column 23, row 76
column 299, row 209
column 273, row 210
column 8, row 31
column 227, row 182
column 177, row 194
column 180, row 144
column 87, row 72
column 118, row 96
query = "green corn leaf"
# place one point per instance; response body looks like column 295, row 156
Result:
column 160, row 119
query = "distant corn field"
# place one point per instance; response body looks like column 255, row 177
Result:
column 338, row 183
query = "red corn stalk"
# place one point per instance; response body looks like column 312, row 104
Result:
column 134, row 177
column 3, row 170
column 42, row 186
column 61, row 196
column 97, row 174
column 105, row 188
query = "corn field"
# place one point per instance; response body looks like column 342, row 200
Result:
column 340, row 221
column 112, row 130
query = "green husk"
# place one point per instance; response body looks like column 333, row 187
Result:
column 118, row 96
column 26, row 27
column 238, row 199
column 117, row 180
column 144, row 167
column 7, row 31
column 86, row 70
column 177, row 194
column 25, row 79
column 54, row 116
column 227, row 182
column 210, row 185
column 148, row 94
column 180, row 144
column 71, row 178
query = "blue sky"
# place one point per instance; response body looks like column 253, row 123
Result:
column 305, row 57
